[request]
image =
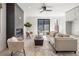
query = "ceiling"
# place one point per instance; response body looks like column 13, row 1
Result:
column 59, row 9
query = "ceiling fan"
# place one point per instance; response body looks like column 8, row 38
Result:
column 44, row 8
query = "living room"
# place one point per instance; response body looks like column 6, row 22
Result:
column 49, row 22
column 59, row 16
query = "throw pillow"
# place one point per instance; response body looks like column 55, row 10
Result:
column 14, row 39
column 53, row 33
column 65, row 35
column 59, row 35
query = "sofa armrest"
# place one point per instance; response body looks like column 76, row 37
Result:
column 65, row 44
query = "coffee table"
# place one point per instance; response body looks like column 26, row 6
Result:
column 38, row 41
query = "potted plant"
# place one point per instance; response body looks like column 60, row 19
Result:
column 27, row 25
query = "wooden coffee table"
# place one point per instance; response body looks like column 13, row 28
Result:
column 38, row 41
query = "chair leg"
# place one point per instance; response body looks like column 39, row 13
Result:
column 75, row 52
column 24, row 52
column 11, row 53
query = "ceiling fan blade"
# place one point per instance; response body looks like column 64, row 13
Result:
column 41, row 11
column 49, row 6
column 48, row 10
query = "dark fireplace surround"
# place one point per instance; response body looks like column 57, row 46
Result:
column 19, row 32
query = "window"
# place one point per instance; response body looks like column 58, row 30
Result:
column 43, row 26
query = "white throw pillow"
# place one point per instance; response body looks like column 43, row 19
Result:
column 14, row 39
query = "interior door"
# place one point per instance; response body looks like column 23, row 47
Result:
column 43, row 26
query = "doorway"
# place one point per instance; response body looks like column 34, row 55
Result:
column 43, row 26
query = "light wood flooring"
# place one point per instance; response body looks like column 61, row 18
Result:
column 45, row 50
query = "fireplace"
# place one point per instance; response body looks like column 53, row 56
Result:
column 19, row 32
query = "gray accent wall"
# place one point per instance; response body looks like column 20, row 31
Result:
column 19, row 18
column 15, row 21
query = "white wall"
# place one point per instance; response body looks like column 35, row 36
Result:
column 73, row 15
column 62, row 24
column 33, row 21
column 3, row 27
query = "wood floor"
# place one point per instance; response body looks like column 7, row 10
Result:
column 45, row 50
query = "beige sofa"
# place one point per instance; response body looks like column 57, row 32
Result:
column 65, row 44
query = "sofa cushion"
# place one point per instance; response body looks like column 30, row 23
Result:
column 62, row 35
column 59, row 35
column 53, row 33
column 65, row 35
